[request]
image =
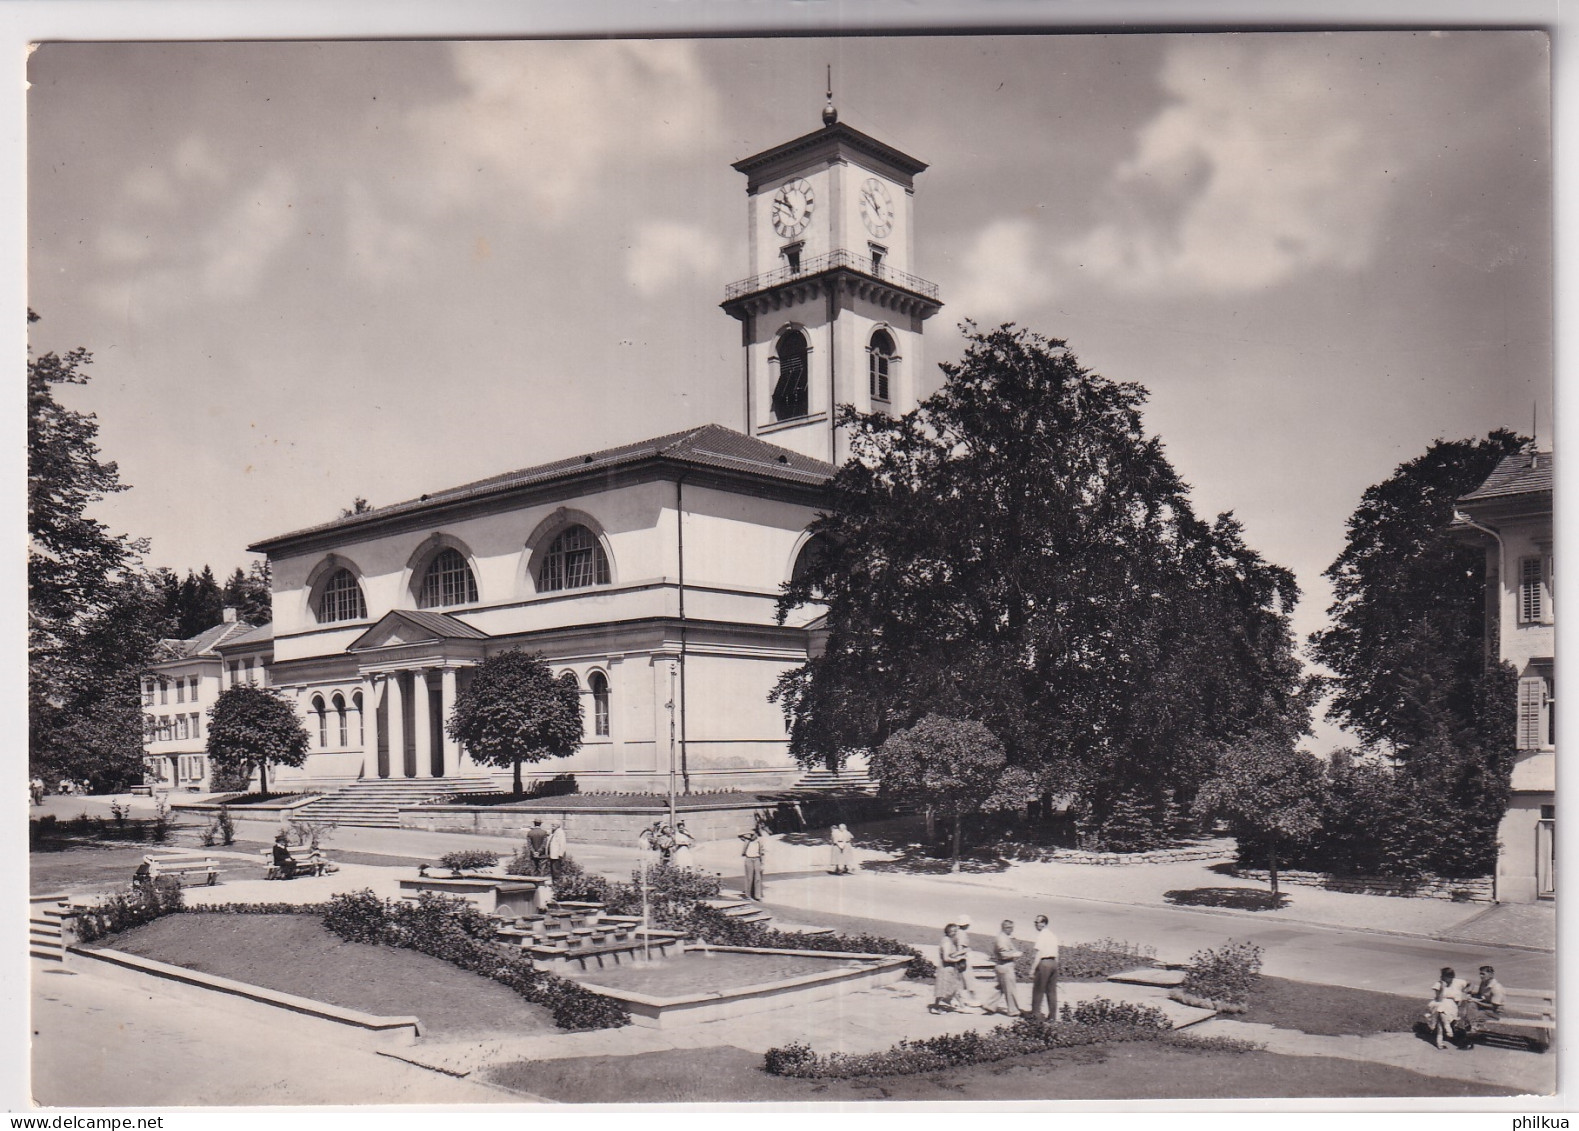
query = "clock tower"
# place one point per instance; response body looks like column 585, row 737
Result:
column 831, row 314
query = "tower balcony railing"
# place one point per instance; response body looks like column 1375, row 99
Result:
column 833, row 259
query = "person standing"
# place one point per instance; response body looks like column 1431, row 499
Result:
column 950, row 982
column 968, row 997
column 843, row 850
column 1004, row 953
column 537, row 847
column 556, row 851
column 683, row 842
column 752, row 853
column 1044, row 979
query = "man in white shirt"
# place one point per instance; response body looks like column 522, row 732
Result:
column 1044, row 978
column 753, row 854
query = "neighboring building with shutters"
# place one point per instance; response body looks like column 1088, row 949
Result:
column 1512, row 513
column 176, row 695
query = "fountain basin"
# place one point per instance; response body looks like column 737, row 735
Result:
column 712, row 983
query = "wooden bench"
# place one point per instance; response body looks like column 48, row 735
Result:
column 309, row 862
column 1528, row 1015
column 186, row 870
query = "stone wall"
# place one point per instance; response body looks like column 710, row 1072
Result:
column 1222, row 849
column 1429, row 887
column 600, row 824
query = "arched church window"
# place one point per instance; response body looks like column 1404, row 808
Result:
column 341, row 599
column 574, row 560
column 880, row 363
column 361, row 721
column 449, row 581
column 599, row 683
column 791, row 394
column 809, row 558
column 339, row 710
column 323, row 721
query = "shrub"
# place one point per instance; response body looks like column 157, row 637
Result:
column 220, row 830
column 673, row 884
column 312, row 834
column 451, row 929
column 1093, row 961
column 116, row 913
column 712, row 926
column 468, row 859
column 576, row 884
column 1229, row 973
column 1101, row 1011
column 1105, row 1022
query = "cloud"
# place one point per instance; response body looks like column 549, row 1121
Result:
column 1261, row 166
column 247, row 235
column 665, row 253
column 1004, row 273
column 549, row 122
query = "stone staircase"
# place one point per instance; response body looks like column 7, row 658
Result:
column 46, row 938
column 828, row 781
column 376, row 802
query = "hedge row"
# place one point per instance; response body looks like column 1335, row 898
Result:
column 116, row 913
column 452, row 929
column 1094, row 1022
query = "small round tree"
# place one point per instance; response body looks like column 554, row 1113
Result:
column 1266, row 789
column 514, row 710
column 251, row 727
column 955, row 765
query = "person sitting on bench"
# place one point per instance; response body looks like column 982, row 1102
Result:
column 284, row 862
column 145, row 875
column 1482, row 1003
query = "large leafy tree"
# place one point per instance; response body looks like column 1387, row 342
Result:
column 1411, row 667
column 249, row 593
column 1266, row 790
column 1407, row 644
column 515, row 710
column 956, row 767
column 1019, row 552
column 94, row 622
column 253, row 728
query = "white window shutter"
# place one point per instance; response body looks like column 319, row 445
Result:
column 1532, row 696
column 1532, row 591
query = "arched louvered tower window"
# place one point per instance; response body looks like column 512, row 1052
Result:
column 791, row 396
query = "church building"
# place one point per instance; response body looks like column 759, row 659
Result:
column 650, row 571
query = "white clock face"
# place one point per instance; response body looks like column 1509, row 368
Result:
column 877, row 207
column 792, row 207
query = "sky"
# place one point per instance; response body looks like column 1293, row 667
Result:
column 310, row 271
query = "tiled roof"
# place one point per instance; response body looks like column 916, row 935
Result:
column 441, row 624
column 710, row 445
column 205, row 641
column 1522, row 473
column 263, row 634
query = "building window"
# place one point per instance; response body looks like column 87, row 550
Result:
column 599, row 683
column 449, row 581
column 183, row 727
column 1534, row 595
column 195, row 681
column 197, row 726
column 180, row 689
column 361, row 722
column 150, row 728
column 341, row 599
column 1537, row 712
column 148, row 693
column 323, row 722
column 792, row 392
column 880, row 363
column 164, row 691
column 791, row 253
column 235, row 672
column 339, row 710
column 878, row 253
column 575, row 560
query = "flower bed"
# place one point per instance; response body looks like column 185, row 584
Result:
column 1094, row 1022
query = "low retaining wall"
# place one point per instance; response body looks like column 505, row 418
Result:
column 1460, row 891
column 280, row 813
column 591, row 824
column 332, row 1021
column 1223, row 850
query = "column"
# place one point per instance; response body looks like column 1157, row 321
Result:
column 397, row 725
column 421, row 726
column 369, row 721
column 454, row 760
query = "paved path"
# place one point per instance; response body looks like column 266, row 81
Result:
column 96, row 1044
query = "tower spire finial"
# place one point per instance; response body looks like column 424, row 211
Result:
column 829, row 114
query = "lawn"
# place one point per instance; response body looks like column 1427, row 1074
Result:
column 105, row 866
column 1123, row 1071
column 1330, row 1011
column 296, row 955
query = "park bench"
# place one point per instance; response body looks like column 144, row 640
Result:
column 309, row 862
column 1529, row 1015
column 185, row 869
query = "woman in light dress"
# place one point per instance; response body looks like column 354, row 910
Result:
column 683, row 842
column 950, row 984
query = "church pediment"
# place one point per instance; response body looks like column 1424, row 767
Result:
column 409, row 626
